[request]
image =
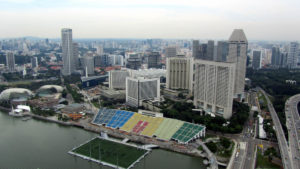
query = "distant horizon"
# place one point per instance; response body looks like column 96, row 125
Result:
column 201, row 39
column 270, row 20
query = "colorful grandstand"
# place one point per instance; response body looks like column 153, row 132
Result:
column 159, row 127
column 187, row 132
column 112, row 118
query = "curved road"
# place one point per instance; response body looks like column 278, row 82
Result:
column 293, row 125
column 283, row 146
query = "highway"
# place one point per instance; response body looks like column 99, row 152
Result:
column 293, row 125
column 283, row 146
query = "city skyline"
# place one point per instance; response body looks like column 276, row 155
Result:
column 155, row 19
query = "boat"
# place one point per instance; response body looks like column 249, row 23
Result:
column 15, row 112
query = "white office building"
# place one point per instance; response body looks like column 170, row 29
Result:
column 117, row 79
column 99, row 50
column 116, row 60
column 139, row 89
column 179, row 73
column 67, row 52
column 237, row 54
column 214, row 86
column 293, row 55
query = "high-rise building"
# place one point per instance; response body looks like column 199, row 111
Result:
column 139, row 89
column 179, row 73
column 293, row 55
column 256, row 61
column 283, row 59
column 117, row 79
column 67, row 52
column 76, row 55
column 222, row 51
column 10, row 61
column 275, row 60
column 116, row 60
column 133, row 61
column 102, row 60
column 237, row 54
column 154, row 60
column 196, row 49
column 99, row 50
column 170, row 52
column 88, row 65
column 202, row 54
column 214, row 86
column 210, row 50
column 34, row 62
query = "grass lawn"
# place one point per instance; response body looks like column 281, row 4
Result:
column 263, row 162
column 110, row 152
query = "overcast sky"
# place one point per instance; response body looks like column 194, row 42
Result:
column 193, row 19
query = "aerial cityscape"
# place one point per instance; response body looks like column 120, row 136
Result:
column 149, row 84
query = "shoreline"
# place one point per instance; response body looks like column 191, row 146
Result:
column 174, row 147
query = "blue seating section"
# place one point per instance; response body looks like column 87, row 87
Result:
column 119, row 119
column 112, row 118
column 104, row 116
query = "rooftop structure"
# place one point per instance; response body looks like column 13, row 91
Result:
column 56, row 87
column 15, row 93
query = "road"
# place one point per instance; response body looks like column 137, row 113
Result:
column 283, row 146
column 247, row 143
column 293, row 125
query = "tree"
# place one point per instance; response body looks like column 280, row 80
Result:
column 225, row 142
column 212, row 147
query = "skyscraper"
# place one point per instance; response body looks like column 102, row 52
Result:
column 222, row 51
column 67, row 52
column 196, row 49
column 154, row 60
column 275, row 59
column 238, row 45
column 256, row 62
column 10, row 61
column 214, row 86
column 293, row 55
column 34, row 62
column 210, row 50
column 179, row 73
column 170, row 52
column 76, row 55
